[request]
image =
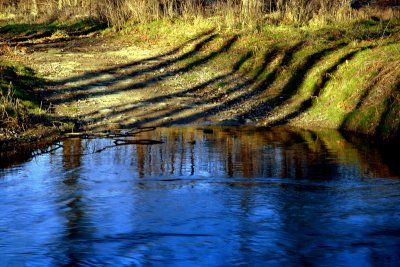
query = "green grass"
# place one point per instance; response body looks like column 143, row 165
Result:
column 21, row 78
column 161, row 33
column 17, row 101
column 361, row 96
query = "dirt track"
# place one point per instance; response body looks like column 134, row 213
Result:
column 107, row 86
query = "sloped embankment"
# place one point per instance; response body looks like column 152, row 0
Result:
column 343, row 77
column 177, row 73
column 355, row 88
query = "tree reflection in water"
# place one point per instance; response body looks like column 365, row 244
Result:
column 205, row 196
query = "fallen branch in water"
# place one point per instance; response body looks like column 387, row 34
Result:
column 110, row 135
column 48, row 150
column 120, row 142
column 114, row 136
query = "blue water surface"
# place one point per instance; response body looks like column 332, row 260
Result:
column 203, row 197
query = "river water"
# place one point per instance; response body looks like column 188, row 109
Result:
column 203, row 197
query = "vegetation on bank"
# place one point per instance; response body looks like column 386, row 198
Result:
column 231, row 13
column 15, row 101
column 314, row 64
column 342, row 76
column 23, row 115
column 22, row 111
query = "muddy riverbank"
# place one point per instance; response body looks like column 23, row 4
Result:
column 103, row 81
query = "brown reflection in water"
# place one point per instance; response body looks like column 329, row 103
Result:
column 71, row 158
column 252, row 152
column 374, row 166
column 229, row 157
column 172, row 147
column 140, row 160
column 75, row 214
column 12, row 153
column 379, row 160
column 248, row 158
column 372, row 159
column 72, row 153
column 192, row 141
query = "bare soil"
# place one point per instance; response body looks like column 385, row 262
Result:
column 103, row 84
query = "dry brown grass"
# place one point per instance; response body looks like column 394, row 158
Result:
column 12, row 112
column 230, row 13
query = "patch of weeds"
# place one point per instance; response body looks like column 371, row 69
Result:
column 16, row 101
column 223, row 61
column 222, row 84
column 257, row 70
column 372, row 29
column 72, row 108
column 23, row 80
column 12, row 111
column 160, row 33
column 389, row 126
column 189, row 61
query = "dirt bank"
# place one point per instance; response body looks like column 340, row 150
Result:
column 149, row 77
column 105, row 85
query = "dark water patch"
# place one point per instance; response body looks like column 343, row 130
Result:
column 15, row 152
column 215, row 197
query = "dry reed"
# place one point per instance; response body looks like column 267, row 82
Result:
column 231, row 13
column 12, row 112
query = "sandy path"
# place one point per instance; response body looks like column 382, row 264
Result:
column 105, row 86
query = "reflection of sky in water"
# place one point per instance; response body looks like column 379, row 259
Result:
column 228, row 197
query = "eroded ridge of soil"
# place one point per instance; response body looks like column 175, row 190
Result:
column 106, row 86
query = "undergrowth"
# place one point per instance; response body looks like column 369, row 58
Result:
column 307, row 69
column 17, row 103
column 244, row 14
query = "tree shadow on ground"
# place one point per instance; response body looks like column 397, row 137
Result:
column 184, row 93
column 239, row 89
column 319, row 86
column 292, row 85
column 17, row 33
column 387, row 127
column 172, row 52
column 80, row 92
column 21, row 39
column 241, row 92
column 206, row 99
column 187, row 92
column 204, row 96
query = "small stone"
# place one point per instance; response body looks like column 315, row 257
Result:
column 132, row 120
column 105, row 111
